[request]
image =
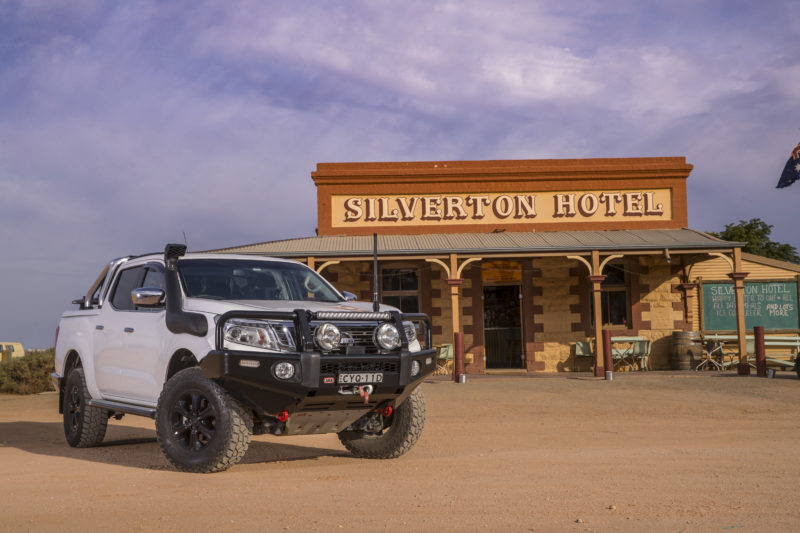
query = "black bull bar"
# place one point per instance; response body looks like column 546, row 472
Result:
column 249, row 376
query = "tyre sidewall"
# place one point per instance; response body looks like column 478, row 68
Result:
column 208, row 458
column 75, row 380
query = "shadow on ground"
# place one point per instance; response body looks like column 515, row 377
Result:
column 135, row 447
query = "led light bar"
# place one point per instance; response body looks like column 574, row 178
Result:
column 349, row 315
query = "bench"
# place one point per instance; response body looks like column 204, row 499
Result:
column 787, row 360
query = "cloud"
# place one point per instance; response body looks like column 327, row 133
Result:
column 125, row 125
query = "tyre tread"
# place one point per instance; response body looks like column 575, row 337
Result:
column 94, row 420
column 398, row 439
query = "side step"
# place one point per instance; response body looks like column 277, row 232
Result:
column 123, row 408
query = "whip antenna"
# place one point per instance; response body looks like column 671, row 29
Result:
column 375, row 303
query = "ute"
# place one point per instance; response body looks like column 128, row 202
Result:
column 219, row 347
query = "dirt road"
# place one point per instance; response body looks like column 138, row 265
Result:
column 654, row 452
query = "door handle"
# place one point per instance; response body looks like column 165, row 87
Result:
column 128, row 330
column 99, row 327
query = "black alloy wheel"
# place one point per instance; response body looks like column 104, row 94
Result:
column 72, row 410
column 194, row 420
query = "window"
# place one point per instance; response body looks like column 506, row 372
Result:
column 226, row 279
column 400, row 288
column 614, row 299
column 127, row 281
column 154, row 278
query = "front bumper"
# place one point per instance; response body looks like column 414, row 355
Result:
column 249, row 377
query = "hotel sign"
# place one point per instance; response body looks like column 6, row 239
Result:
column 501, row 208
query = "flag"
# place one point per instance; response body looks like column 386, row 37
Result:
column 791, row 172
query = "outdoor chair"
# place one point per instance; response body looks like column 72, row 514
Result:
column 583, row 350
column 445, row 359
column 640, row 354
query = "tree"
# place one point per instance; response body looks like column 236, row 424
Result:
column 755, row 234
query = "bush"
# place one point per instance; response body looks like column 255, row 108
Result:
column 29, row 374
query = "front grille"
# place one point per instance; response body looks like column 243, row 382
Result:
column 364, row 366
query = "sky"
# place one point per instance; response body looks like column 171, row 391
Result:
column 127, row 125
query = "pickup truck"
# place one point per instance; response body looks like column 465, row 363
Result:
column 219, row 347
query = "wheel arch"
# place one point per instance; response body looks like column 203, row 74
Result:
column 182, row 358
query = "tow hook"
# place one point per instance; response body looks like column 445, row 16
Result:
column 362, row 390
column 386, row 411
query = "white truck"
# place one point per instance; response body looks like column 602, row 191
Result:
column 219, row 347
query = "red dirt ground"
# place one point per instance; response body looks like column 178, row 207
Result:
column 644, row 452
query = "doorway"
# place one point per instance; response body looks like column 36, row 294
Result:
column 502, row 326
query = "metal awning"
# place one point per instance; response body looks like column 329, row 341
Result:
column 528, row 243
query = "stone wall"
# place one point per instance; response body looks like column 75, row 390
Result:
column 556, row 304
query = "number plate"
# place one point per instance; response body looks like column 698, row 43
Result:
column 356, row 378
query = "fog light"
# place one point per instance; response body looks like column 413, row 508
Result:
column 415, row 368
column 283, row 370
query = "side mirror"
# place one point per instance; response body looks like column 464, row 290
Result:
column 147, row 297
column 349, row 296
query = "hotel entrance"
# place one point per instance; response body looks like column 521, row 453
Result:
column 502, row 315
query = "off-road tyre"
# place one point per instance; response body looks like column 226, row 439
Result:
column 84, row 426
column 407, row 422
column 199, row 426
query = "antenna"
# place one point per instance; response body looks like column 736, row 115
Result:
column 184, row 239
column 375, row 302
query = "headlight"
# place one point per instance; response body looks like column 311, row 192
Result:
column 259, row 334
column 327, row 336
column 387, row 336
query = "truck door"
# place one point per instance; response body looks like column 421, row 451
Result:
column 129, row 342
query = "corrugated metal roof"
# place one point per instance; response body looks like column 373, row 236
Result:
column 482, row 243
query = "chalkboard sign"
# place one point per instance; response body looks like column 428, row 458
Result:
column 772, row 304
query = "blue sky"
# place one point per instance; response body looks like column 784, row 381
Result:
column 125, row 124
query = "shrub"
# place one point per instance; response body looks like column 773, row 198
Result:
column 29, row 374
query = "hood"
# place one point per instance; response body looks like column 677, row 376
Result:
column 218, row 307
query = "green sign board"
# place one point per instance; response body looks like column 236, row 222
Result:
column 772, row 304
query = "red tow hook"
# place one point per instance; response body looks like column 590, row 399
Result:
column 364, row 393
column 386, row 411
column 283, row 416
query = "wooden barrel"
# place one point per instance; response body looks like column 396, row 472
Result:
column 685, row 349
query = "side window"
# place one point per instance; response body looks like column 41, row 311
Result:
column 127, row 280
column 154, row 278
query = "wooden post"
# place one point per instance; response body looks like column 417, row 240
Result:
column 761, row 353
column 738, row 281
column 458, row 356
column 609, row 363
column 597, row 279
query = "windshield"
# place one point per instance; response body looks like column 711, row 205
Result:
column 235, row 279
